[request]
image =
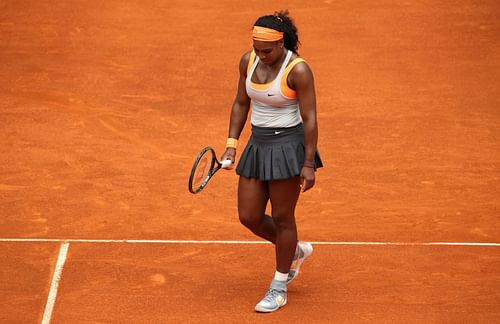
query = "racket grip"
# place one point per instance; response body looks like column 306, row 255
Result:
column 226, row 164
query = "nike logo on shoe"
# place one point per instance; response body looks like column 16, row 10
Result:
column 270, row 94
column 277, row 132
column 280, row 300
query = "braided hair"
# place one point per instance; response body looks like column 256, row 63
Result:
column 282, row 22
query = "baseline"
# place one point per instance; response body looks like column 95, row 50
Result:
column 131, row 241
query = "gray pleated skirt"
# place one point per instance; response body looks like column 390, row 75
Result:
column 274, row 154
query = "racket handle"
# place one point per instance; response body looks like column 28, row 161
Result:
column 226, row 164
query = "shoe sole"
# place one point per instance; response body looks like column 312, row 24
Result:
column 308, row 250
column 267, row 310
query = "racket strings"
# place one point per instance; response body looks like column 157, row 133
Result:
column 202, row 170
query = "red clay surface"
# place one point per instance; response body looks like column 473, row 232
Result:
column 220, row 284
column 105, row 106
column 25, row 274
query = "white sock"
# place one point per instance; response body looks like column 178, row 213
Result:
column 280, row 276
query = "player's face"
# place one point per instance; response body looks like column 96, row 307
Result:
column 268, row 52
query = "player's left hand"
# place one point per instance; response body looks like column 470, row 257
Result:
column 307, row 178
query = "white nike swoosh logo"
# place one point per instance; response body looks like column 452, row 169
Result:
column 276, row 132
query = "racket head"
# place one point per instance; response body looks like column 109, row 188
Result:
column 203, row 168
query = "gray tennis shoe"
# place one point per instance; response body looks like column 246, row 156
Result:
column 274, row 299
column 303, row 251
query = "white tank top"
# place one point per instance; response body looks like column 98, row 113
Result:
column 271, row 106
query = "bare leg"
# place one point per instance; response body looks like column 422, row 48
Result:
column 284, row 195
column 253, row 196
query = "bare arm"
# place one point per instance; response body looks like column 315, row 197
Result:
column 302, row 80
column 240, row 108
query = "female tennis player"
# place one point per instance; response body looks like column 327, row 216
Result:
column 280, row 158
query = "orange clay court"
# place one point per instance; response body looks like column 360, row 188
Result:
column 104, row 106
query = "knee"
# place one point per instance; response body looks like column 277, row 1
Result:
column 248, row 220
column 284, row 220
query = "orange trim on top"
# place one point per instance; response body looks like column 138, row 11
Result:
column 261, row 86
column 250, row 62
column 285, row 89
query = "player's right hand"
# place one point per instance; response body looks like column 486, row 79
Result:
column 229, row 154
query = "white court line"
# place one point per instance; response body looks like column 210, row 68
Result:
column 61, row 259
column 63, row 252
column 33, row 240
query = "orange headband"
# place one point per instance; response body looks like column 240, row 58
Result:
column 266, row 34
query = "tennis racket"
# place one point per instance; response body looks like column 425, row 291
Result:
column 204, row 167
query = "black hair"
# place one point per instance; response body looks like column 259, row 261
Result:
column 282, row 22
